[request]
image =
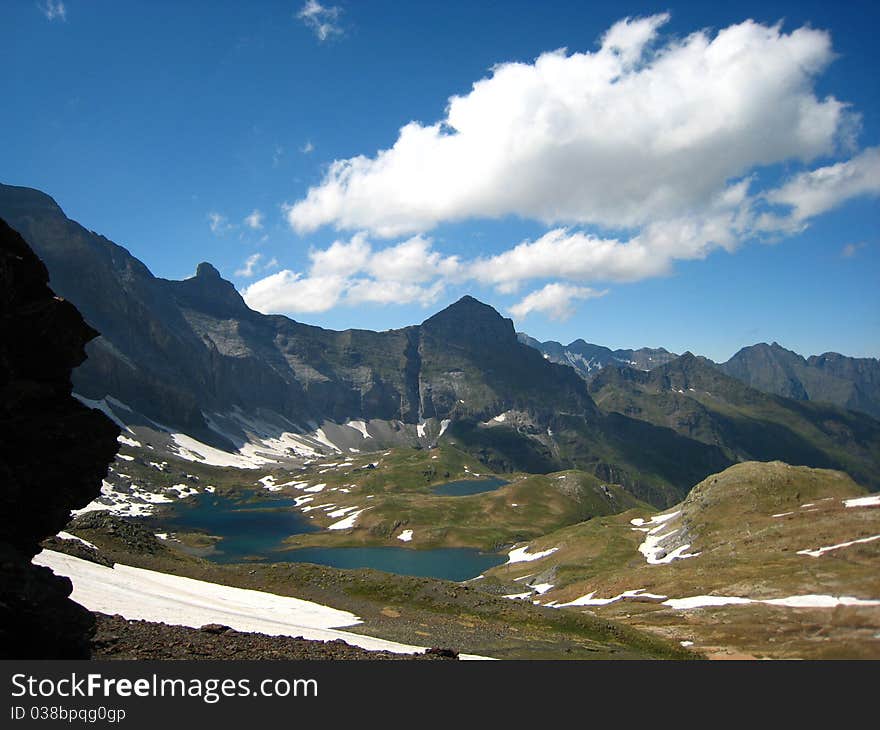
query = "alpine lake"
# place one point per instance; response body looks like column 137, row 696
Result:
column 254, row 530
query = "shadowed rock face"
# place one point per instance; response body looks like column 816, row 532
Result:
column 53, row 454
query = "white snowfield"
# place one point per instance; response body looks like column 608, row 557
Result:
column 146, row 595
column 805, row 601
column 818, row 552
column 522, row 555
column 193, row 450
column 872, row 501
column 405, row 535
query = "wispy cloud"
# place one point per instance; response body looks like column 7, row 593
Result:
column 851, row 249
column 218, row 223
column 277, row 155
column 53, row 10
column 322, row 19
column 307, row 148
column 250, row 266
column 254, row 221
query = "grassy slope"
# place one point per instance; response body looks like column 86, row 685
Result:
column 745, row 551
column 414, row 610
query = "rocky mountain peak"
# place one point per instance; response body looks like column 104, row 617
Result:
column 206, row 270
column 210, row 293
column 471, row 320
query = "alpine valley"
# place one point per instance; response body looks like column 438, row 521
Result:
column 452, row 484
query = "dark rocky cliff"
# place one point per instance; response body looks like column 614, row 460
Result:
column 53, row 454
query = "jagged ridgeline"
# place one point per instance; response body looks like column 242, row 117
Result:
column 191, row 356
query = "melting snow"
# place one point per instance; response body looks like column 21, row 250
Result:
column 405, row 536
column 806, row 601
column 67, row 536
column 588, row 599
column 820, row 551
column 127, row 441
column 359, row 426
column 444, row 424
column 872, row 501
column 136, row 503
column 192, row 450
column 321, row 437
column 348, row 522
column 651, row 548
column 522, row 555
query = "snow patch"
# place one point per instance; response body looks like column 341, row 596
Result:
column 348, row 522
column 805, row 601
column 359, row 426
column 522, row 555
column 872, row 501
column 405, row 536
column 818, row 552
column 67, row 536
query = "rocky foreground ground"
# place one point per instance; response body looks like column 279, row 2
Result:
column 120, row 638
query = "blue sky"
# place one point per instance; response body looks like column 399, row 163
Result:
column 647, row 186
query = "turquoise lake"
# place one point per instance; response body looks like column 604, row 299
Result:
column 254, row 532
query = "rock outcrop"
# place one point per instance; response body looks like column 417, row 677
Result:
column 54, row 452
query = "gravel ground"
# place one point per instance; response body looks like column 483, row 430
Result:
column 118, row 638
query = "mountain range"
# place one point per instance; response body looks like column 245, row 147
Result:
column 190, row 356
column 849, row 382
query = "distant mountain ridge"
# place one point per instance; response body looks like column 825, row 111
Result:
column 850, row 382
column 692, row 396
column 588, row 359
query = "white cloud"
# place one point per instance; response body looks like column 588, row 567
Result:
column 287, row 291
column 554, row 300
column 351, row 272
column 250, row 266
column 622, row 137
column 639, row 154
column 53, row 9
column 412, row 260
column 254, row 221
column 308, row 148
column 812, row 193
column 322, row 19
